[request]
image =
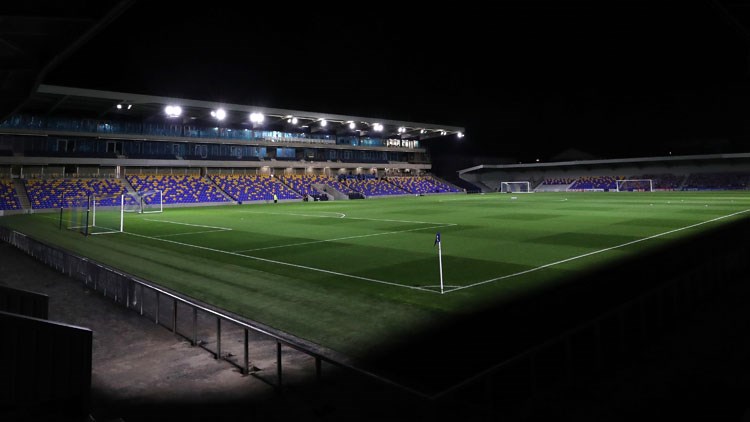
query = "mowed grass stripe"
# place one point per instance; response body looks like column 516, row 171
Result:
column 493, row 237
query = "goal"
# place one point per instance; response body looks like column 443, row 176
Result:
column 104, row 214
column 635, row 185
column 94, row 214
column 515, row 187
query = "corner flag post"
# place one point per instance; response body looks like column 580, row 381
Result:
column 440, row 259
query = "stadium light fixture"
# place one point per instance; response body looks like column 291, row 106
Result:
column 292, row 120
column 257, row 117
column 459, row 135
column 173, row 111
column 401, row 129
column 130, row 106
column 352, row 125
column 119, row 106
column 220, row 114
column 422, row 131
column 377, row 127
column 323, row 123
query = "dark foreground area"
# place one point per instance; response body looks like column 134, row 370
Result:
column 698, row 368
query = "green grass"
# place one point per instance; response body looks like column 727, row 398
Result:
column 349, row 274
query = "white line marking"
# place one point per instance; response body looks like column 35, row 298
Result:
column 186, row 224
column 205, row 231
column 598, row 252
column 285, row 263
column 342, row 238
column 348, row 218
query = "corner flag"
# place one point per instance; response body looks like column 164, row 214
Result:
column 440, row 258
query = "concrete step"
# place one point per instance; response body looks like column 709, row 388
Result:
column 23, row 196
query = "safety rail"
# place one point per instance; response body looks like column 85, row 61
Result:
column 196, row 322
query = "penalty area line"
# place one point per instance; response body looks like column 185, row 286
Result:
column 551, row 264
column 288, row 264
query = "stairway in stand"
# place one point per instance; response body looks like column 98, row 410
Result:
column 23, row 197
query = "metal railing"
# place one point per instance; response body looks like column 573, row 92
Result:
column 211, row 329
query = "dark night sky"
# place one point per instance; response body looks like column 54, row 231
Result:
column 527, row 79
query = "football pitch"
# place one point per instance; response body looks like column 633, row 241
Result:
column 349, row 274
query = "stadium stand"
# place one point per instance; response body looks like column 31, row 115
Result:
column 374, row 187
column 665, row 181
column 555, row 184
column 254, row 188
column 302, row 184
column 717, row 181
column 559, row 180
column 179, row 189
column 64, row 193
column 335, row 183
column 8, row 197
column 421, row 184
column 596, row 182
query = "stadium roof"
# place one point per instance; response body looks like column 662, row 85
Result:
column 59, row 100
column 614, row 162
column 36, row 37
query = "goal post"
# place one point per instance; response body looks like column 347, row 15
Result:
column 93, row 214
column 76, row 215
column 151, row 202
column 635, row 185
column 515, row 187
column 104, row 214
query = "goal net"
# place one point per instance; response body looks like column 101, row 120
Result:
column 94, row 214
column 145, row 202
column 103, row 214
column 635, row 185
column 515, row 187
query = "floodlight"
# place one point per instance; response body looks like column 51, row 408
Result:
column 422, row 131
column 173, row 111
column 119, row 106
column 213, row 113
column 323, row 123
column 220, row 114
column 257, row 117
column 378, row 127
column 459, row 135
column 352, row 125
column 130, row 106
column 401, row 129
